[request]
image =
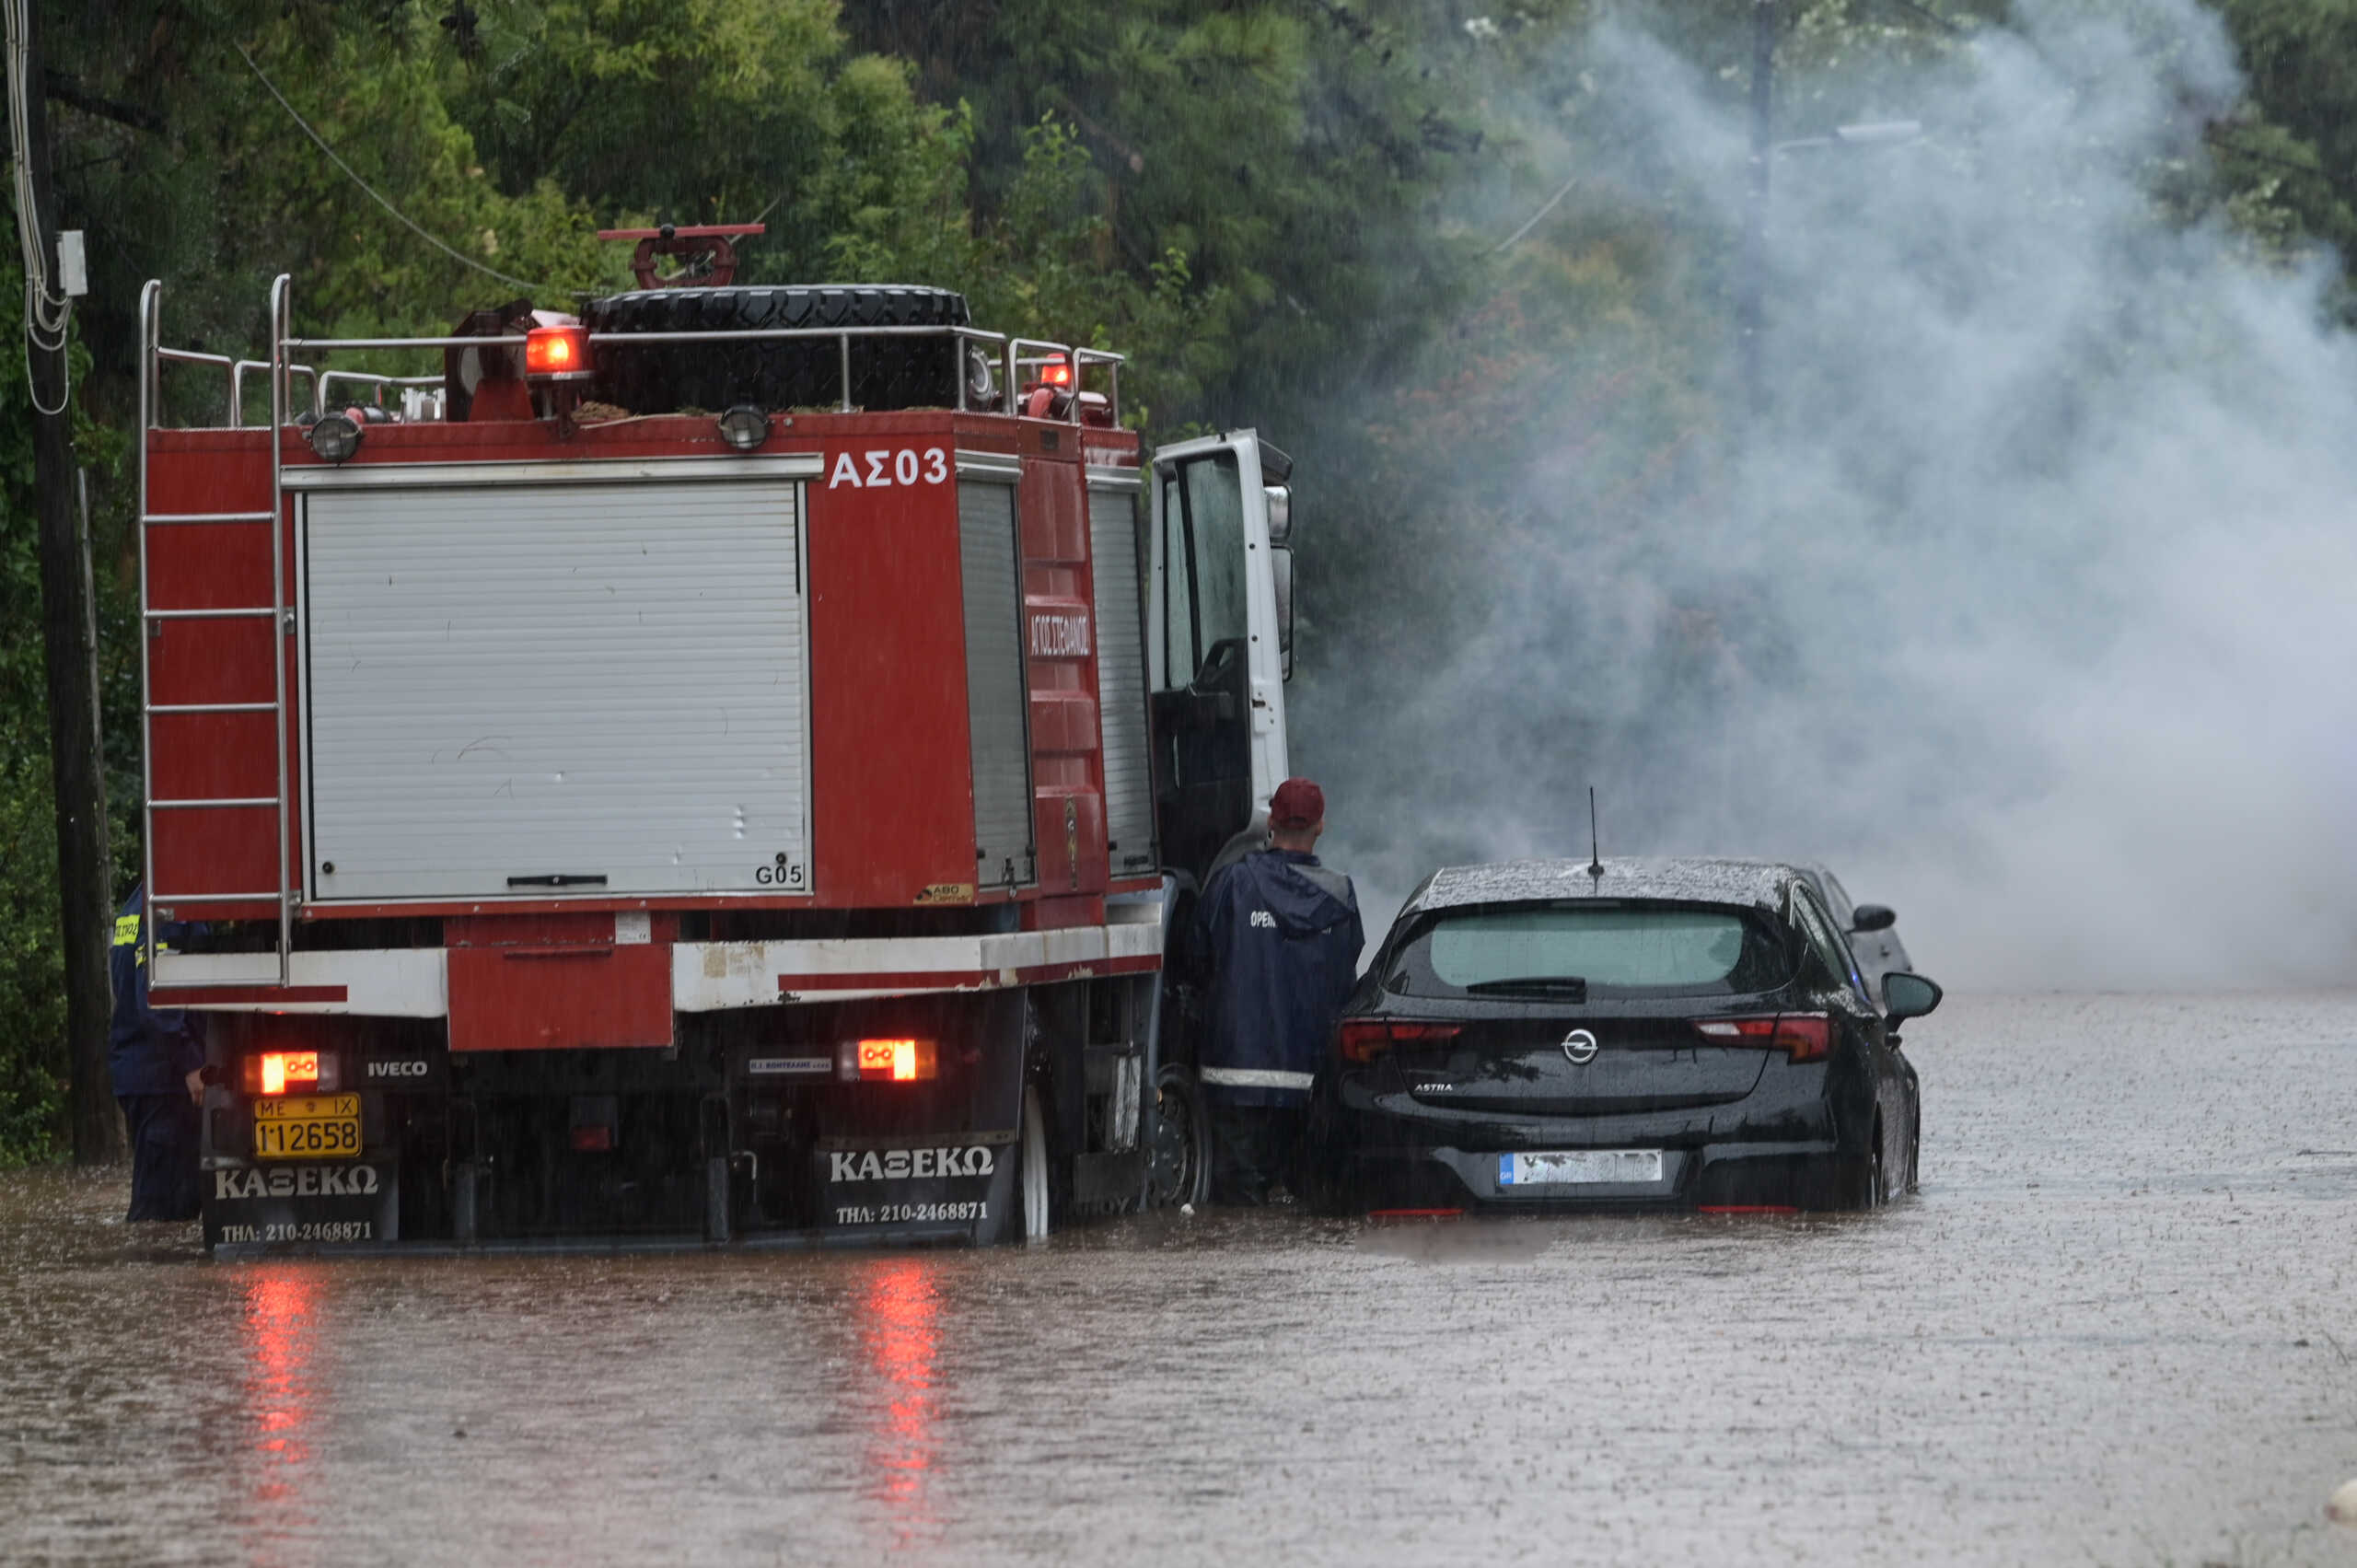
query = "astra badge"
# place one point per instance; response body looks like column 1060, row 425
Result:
column 1580, row 1047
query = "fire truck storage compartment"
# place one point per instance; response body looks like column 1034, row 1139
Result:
column 514, row 690
column 997, row 697
column 1121, row 674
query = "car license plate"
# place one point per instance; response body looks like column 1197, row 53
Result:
column 1579, row 1168
column 307, row 1127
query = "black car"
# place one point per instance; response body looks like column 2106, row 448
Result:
column 1640, row 1033
column 1872, row 929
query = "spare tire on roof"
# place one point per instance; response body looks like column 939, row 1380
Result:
column 780, row 372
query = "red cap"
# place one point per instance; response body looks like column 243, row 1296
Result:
column 1297, row 804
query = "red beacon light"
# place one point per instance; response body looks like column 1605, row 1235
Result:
column 1050, row 397
column 557, row 353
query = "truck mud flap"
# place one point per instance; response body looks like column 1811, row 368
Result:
column 256, row 1208
column 1109, row 1183
column 886, row 1185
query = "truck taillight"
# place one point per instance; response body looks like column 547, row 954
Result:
column 290, row 1072
column 1807, row 1037
column 557, row 353
column 888, row 1060
column 1364, row 1039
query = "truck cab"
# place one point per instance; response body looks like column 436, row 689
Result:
column 1220, row 637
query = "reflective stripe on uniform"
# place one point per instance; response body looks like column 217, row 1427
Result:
column 1256, row 1078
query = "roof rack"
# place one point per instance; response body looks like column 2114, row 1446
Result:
column 1011, row 357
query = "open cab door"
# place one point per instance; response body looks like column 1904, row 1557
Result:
column 1219, row 636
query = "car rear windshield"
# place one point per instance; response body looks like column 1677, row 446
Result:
column 1618, row 948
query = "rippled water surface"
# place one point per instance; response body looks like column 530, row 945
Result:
column 2117, row 1326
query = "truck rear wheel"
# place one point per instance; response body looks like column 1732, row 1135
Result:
column 1181, row 1156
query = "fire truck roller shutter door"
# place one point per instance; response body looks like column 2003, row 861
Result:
column 776, row 373
column 602, row 682
column 1121, row 678
column 997, row 699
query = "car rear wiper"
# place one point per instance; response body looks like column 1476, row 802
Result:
column 1572, row 986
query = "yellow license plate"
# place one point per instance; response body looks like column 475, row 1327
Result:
column 307, row 1127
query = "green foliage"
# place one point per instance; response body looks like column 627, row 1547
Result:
column 712, row 111
column 32, row 1003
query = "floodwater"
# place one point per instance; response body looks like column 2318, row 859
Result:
column 2117, row 1326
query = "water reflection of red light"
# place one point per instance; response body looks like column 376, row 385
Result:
column 899, row 1309
column 279, row 1399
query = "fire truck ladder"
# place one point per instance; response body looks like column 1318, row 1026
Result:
column 152, row 356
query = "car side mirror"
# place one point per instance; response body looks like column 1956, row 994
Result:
column 1872, row 917
column 1908, row 996
column 1280, row 574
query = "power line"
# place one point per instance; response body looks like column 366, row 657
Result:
column 1507, row 242
column 47, row 312
column 354, row 176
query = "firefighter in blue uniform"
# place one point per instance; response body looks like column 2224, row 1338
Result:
column 1283, row 937
column 157, row 1062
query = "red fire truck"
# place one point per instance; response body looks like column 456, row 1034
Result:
column 723, row 768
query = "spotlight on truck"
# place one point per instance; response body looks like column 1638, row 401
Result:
column 334, row 436
column 744, row 428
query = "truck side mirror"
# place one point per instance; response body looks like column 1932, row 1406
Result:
column 1280, row 572
column 1280, row 515
column 1872, row 917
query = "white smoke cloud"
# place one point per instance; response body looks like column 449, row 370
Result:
column 2031, row 604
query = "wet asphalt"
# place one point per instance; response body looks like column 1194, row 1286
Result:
column 2117, row 1325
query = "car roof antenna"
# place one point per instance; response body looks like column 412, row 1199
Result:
column 1594, row 853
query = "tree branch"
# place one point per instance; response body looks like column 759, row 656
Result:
column 60, row 88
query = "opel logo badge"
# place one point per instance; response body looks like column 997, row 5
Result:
column 1580, row 1048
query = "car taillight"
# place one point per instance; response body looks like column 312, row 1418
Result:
column 888, row 1060
column 1364, row 1039
column 1808, row 1037
column 290, row 1071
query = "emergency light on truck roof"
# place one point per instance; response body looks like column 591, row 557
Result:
column 557, row 353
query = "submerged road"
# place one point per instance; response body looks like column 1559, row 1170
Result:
column 2117, row 1326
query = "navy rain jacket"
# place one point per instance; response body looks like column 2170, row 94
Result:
column 148, row 1052
column 1283, row 937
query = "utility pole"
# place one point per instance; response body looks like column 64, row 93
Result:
column 1751, row 280
column 67, row 638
